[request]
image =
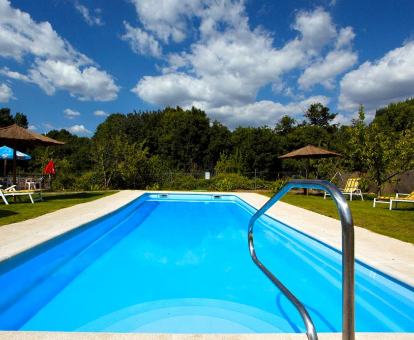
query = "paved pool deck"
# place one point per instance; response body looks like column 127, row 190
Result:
column 391, row 256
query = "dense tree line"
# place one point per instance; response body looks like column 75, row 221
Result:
column 138, row 149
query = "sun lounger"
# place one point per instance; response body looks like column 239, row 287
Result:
column 11, row 191
column 351, row 189
column 409, row 198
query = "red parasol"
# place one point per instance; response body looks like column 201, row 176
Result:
column 50, row 168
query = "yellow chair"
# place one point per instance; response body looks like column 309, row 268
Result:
column 351, row 188
column 390, row 200
column 11, row 191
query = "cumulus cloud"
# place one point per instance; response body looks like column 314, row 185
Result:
column 264, row 112
column 6, row 93
column 229, row 63
column 78, row 129
column 167, row 19
column 316, row 29
column 141, row 42
column 32, row 127
column 100, row 113
column 90, row 19
column 375, row 84
column 57, row 65
column 324, row 70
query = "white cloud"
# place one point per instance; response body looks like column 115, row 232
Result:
column 325, row 71
column 90, row 19
column 141, row 42
column 316, row 28
column 70, row 114
column 288, row 92
column 20, row 35
column 376, row 84
column 225, row 69
column 48, row 126
column 264, row 112
column 57, row 65
column 32, row 127
column 100, row 113
column 167, row 19
column 14, row 75
column 6, row 93
column 78, row 129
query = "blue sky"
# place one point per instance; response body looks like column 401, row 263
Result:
column 68, row 64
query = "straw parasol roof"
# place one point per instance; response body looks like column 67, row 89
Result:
column 311, row 151
column 18, row 135
column 15, row 135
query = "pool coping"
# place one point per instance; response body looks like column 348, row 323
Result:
column 391, row 256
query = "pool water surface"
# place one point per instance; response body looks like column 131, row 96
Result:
column 180, row 264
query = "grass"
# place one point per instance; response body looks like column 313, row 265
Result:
column 21, row 211
column 398, row 224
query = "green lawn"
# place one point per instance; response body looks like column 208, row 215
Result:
column 20, row 211
column 398, row 224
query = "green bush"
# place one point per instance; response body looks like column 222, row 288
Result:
column 221, row 182
column 279, row 184
column 88, row 182
column 186, row 182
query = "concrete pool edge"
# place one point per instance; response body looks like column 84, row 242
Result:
column 135, row 336
column 380, row 252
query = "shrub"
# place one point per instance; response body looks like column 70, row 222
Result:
column 279, row 184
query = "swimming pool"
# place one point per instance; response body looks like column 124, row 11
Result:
column 180, row 264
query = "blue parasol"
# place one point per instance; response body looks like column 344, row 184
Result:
column 7, row 153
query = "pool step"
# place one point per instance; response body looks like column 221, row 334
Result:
column 189, row 316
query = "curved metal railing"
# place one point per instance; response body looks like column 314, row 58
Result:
column 348, row 257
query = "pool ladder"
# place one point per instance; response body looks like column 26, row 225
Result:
column 348, row 256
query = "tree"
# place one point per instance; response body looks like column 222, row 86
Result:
column 21, row 120
column 319, row 115
column 230, row 163
column 259, row 147
column 383, row 154
column 219, row 142
column 107, row 156
column 285, row 125
column 134, row 165
column 6, row 119
column 396, row 117
column 184, row 137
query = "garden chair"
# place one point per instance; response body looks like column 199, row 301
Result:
column 11, row 191
column 351, row 188
column 409, row 198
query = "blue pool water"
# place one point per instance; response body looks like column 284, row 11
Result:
column 181, row 265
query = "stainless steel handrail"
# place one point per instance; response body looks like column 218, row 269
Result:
column 348, row 256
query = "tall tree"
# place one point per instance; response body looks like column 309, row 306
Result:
column 184, row 138
column 21, row 120
column 6, row 119
column 396, row 117
column 319, row 115
column 383, row 154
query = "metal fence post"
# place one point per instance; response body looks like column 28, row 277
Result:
column 254, row 179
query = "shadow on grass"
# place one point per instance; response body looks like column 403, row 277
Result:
column 79, row 195
column 7, row 213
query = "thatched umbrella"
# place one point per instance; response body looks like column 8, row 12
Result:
column 17, row 136
column 309, row 152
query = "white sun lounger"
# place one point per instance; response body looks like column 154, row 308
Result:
column 11, row 191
